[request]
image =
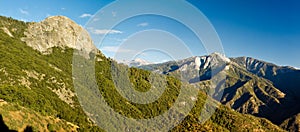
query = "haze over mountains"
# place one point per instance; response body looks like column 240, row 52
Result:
column 37, row 85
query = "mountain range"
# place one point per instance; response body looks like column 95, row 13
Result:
column 37, row 85
column 251, row 87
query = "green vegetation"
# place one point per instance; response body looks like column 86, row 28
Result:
column 17, row 85
column 141, row 82
column 29, row 82
column 17, row 118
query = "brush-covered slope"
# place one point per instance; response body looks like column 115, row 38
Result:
column 287, row 79
column 18, row 118
column 251, row 86
column 37, row 89
column 42, row 83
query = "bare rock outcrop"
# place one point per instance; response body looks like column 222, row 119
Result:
column 57, row 31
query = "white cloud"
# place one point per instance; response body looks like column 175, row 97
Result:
column 144, row 24
column 24, row 12
column 114, row 13
column 85, row 15
column 115, row 49
column 95, row 19
column 162, row 61
column 117, row 39
column 105, row 31
column 62, row 8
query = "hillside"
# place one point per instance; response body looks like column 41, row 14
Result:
column 20, row 119
column 284, row 78
column 251, row 87
column 37, row 86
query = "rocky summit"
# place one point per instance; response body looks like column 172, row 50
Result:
column 57, row 31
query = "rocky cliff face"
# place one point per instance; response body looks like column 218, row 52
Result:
column 57, row 31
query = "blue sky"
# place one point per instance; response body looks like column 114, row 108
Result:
column 263, row 29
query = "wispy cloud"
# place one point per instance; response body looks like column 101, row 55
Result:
column 92, row 30
column 162, row 61
column 63, row 8
column 114, row 13
column 117, row 39
column 85, row 15
column 105, row 31
column 24, row 12
column 95, row 19
column 115, row 49
column 144, row 24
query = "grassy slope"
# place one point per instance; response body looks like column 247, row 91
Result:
column 18, row 118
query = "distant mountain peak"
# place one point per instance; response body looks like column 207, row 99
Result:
column 220, row 57
column 255, row 65
column 217, row 54
column 138, row 62
column 212, row 60
column 135, row 62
